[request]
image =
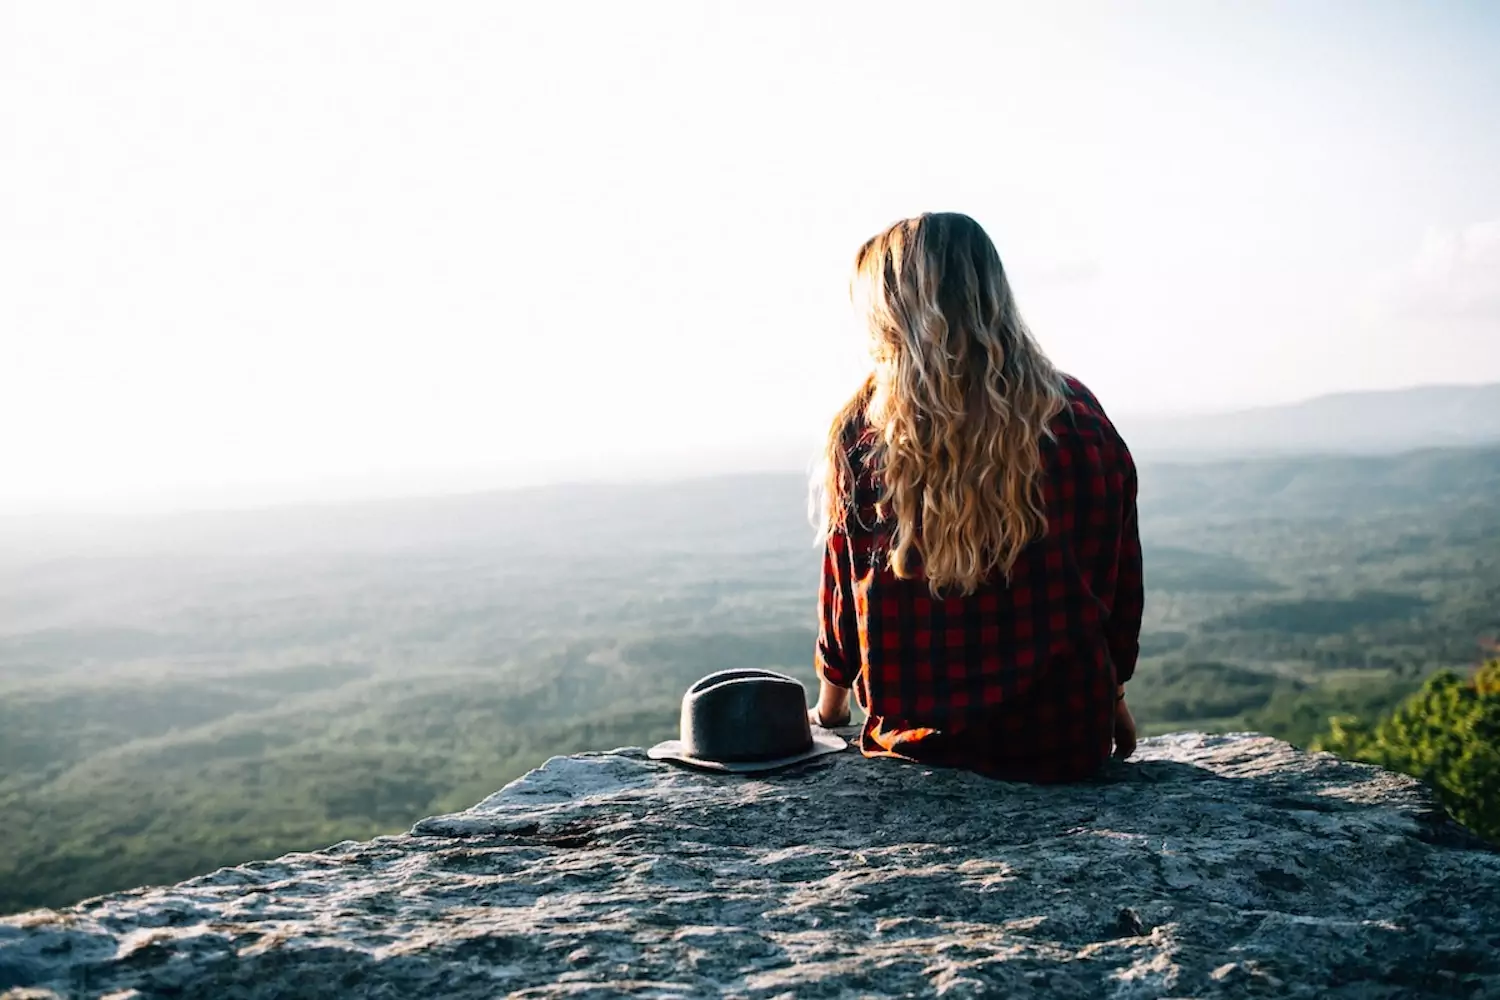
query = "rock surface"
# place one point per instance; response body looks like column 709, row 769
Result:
column 1208, row 866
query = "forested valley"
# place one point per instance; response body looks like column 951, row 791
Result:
column 179, row 693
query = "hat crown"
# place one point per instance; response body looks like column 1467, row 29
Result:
column 737, row 716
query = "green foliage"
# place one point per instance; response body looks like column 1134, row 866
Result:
column 1175, row 569
column 1179, row 690
column 1321, row 615
column 1298, row 713
column 1448, row 734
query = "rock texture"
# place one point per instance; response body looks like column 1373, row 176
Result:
column 1209, row 866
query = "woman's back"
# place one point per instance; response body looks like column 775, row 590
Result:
column 1010, row 665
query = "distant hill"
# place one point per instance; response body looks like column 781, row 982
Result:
column 1346, row 423
column 724, row 515
column 1338, row 485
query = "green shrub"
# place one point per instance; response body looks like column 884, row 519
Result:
column 1447, row 734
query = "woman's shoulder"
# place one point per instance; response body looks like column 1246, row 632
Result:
column 1084, row 414
column 856, row 441
column 1080, row 396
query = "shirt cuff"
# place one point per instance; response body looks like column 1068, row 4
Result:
column 833, row 675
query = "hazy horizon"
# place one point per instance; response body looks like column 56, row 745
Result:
column 787, row 459
column 329, row 250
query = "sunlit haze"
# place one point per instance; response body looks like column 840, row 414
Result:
column 301, row 250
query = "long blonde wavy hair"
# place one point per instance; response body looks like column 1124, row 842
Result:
column 959, row 401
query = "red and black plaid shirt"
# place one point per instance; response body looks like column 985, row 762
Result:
column 1015, row 681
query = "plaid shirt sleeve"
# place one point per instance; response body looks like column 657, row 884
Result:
column 1123, row 629
column 837, row 658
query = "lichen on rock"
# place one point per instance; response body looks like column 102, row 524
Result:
column 1208, row 866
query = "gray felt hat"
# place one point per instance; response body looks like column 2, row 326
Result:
column 746, row 720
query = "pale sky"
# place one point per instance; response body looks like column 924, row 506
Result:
column 276, row 250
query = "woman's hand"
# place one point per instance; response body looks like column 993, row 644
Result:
column 818, row 723
column 1124, row 730
column 832, row 709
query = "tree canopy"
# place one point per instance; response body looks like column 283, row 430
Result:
column 1448, row 734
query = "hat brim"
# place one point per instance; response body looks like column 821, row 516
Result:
column 673, row 750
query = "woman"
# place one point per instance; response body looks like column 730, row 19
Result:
column 982, row 571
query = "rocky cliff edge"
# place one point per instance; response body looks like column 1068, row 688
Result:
column 1208, row 866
